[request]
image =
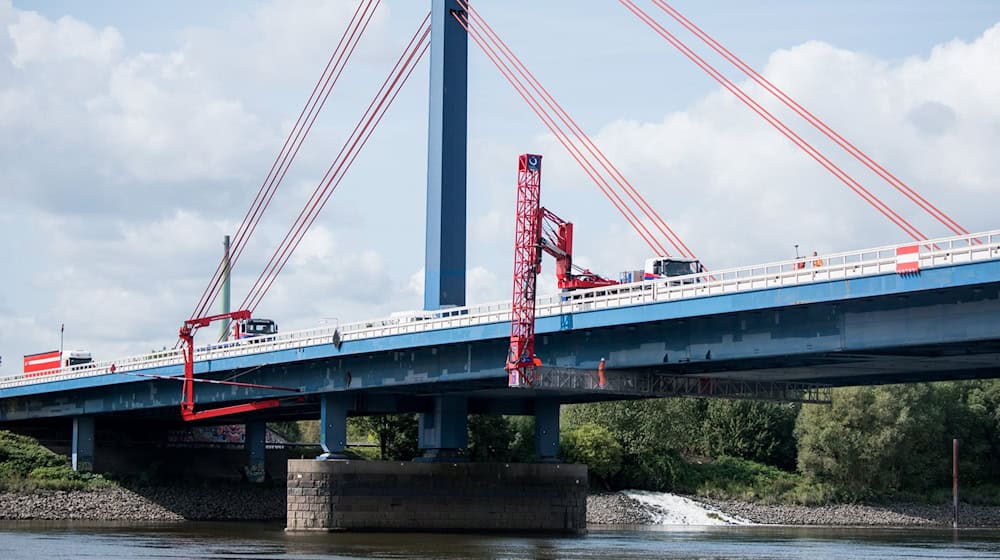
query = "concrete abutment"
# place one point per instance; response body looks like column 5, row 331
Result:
column 436, row 496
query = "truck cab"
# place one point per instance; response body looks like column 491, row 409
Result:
column 254, row 327
column 658, row 268
column 78, row 357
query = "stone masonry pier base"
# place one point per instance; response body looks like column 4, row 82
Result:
column 391, row 496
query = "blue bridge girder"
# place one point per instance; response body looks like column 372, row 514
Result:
column 883, row 328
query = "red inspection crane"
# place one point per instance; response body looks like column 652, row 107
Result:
column 537, row 230
column 188, row 412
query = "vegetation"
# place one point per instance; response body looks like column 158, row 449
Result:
column 395, row 434
column 595, row 447
column 891, row 442
column 887, row 442
column 25, row 465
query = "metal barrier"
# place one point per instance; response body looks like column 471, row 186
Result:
column 837, row 266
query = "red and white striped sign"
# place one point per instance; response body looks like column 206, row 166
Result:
column 39, row 364
column 908, row 259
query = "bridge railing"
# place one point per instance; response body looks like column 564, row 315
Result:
column 835, row 266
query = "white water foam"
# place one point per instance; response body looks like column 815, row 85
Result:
column 671, row 509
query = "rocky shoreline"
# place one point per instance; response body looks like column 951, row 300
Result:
column 173, row 503
column 617, row 508
column 864, row 515
column 217, row 503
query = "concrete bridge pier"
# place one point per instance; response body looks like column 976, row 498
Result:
column 83, row 443
column 444, row 430
column 255, row 443
column 547, row 430
column 333, row 425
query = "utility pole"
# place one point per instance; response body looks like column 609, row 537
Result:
column 224, row 327
column 954, row 480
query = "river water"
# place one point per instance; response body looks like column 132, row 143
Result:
column 189, row 540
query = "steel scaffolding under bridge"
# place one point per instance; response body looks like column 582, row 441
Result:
column 650, row 384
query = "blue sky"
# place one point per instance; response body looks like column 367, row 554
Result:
column 134, row 135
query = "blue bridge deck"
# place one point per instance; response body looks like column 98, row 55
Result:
column 853, row 321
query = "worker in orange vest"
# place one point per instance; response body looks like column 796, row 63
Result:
column 600, row 374
column 817, row 261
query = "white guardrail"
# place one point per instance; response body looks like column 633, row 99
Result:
column 852, row 264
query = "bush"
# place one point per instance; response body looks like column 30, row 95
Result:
column 19, row 455
column 62, row 472
column 595, row 447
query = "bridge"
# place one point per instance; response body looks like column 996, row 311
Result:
column 922, row 310
column 853, row 320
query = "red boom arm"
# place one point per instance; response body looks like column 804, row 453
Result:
column 187, row 393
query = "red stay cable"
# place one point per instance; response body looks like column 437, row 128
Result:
column 342, row 169
column 567, row 143
column 564, row 139
column 815, row 121
column 321, row 188
column 582, row 136
column 576, row 152
column 208, row 296
column 328, row 79
column 775, row 122
column 338, row 70
column 352, row 147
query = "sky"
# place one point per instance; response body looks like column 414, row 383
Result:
column 134, row 135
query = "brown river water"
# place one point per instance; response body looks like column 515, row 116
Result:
column 189, row 540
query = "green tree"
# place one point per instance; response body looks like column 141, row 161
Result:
column 490, row 438
column 755, row 430
column 396, row 435
column 877, row 440
column 595, row 447
column 522, row 445
column 653, row 435
column 288, row 430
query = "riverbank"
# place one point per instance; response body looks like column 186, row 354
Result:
column 166, row 503
column 250, row 503
column 624, row 508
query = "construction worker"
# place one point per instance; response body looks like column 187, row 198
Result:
column 600, row 374
column 817, row 261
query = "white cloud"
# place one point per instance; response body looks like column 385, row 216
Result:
column 738, row 192
column 120, row 170
column 37, row 39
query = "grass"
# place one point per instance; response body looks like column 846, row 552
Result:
column 27, row 466
column 739, row 479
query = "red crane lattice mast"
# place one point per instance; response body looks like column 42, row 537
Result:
column 537, row 230
column 521, row 360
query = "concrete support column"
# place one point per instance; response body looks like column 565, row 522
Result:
column 255, row 443
column 547, row 430
column 83, row 443
column 333, row 425
column 444, row 431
